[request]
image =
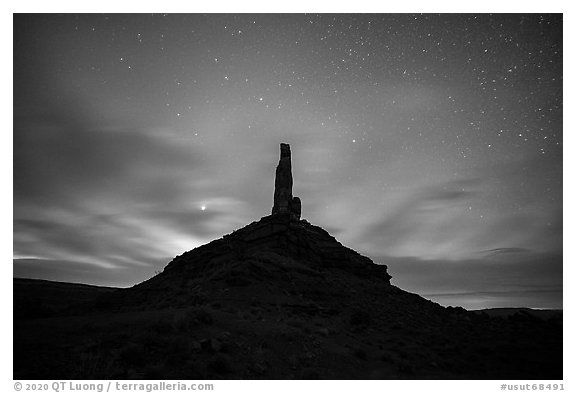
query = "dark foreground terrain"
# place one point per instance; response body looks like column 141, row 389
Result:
column 274, row 300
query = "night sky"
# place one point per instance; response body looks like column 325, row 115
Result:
column 431, row 143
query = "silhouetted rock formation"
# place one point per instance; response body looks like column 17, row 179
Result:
column 295, row 209
column 277, row 299
column 284, row 234
column 284, row 202
column 277, row 234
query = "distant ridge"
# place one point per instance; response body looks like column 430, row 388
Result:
column 40, row 281
column 510, row 311
column 34, row 298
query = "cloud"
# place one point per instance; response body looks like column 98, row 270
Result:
column 538, row 299
column 59, row 159
column 92, row 193
column 451, row 219
column 72, row 271
column 504, row 250
column 514, row 279
column 426, row 221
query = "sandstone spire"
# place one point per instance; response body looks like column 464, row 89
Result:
column 284, row 202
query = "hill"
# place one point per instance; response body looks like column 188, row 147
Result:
column 42, row 298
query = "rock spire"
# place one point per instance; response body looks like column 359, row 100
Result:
column 284, row 202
